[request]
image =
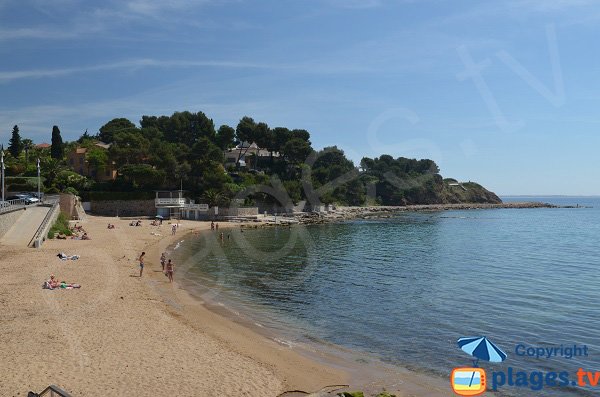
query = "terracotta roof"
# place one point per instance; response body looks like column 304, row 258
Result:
column 43, row 145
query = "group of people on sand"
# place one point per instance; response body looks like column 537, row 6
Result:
column 214, row 226
column 135, row 223
column 168, row 267
column 77, row 233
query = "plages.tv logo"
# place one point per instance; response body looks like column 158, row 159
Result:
column 472, row 381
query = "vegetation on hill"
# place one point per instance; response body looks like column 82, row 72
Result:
column 185, row 149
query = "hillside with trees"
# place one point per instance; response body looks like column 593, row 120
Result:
column 186, row 149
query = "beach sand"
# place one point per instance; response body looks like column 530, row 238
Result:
column 121, row 335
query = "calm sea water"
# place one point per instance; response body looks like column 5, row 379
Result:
column 404, row 289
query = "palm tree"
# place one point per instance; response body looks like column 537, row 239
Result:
column 212, row 197
column 27, row 146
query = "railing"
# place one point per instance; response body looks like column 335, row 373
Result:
column 170, row 201
column 197, row 207
column 11, row 205
column 54, row 391
column 40, row 235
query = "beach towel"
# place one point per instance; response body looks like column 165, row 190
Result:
column 66, row 257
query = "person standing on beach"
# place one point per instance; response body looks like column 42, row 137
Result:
column 173, row 229
column 141, row 260
column 216, row 226
column 163, row 259
column 212, row 225
column 170, row 269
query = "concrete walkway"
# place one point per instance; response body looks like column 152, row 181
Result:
column 22, row 231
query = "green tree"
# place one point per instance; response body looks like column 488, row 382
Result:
column 129, row 147
column 15, row 145
column 246, row 134
column 143, row 175
column 225, row 137
column 56, row 148
column 97, row 159
column 108, row 130
column 27, row 146
column 296, row 150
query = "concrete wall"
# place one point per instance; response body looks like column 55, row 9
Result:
column 68, row 202
column 123, row 208
column 233, row 211
column 8, row 219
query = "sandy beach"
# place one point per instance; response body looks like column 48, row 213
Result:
column 125, row 335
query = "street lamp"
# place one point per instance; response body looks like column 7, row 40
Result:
column 38, row 170
column 2, row 171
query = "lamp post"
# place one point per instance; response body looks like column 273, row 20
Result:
column 38, row 170
column 2, row 171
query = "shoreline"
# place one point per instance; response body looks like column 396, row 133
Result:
column 363, row 371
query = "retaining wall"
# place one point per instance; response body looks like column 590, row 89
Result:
column 123, row 208
column 8, row 219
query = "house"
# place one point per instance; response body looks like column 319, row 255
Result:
column 43, row 145
column 248, row 154
column 78, row 162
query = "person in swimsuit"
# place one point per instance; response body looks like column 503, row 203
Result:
column 163, row 259
column 170, row 269
column 141, row 259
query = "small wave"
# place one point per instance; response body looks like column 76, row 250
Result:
column 284, row 342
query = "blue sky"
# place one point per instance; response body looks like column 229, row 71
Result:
column 504, row 93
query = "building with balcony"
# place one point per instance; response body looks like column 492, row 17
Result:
column 169, row 204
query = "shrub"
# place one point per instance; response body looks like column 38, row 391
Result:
column 60, row 226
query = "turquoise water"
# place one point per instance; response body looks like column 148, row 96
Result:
column 404, row 289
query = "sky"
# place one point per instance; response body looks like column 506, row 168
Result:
column 505, row 93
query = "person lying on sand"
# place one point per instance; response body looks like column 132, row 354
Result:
column 53, row 282
column 85, row 237
column 111, row 226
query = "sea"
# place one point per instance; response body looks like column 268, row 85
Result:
column 404, row 289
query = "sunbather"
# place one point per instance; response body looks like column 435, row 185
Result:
column 53, row 283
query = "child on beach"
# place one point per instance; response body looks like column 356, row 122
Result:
column 173, row 229
column 170, row 269
column 141, row 260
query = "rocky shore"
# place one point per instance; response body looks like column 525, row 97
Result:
column 347, row 213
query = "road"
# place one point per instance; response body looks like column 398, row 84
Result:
column 22, row 231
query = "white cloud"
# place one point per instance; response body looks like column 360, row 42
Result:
column 133, row 64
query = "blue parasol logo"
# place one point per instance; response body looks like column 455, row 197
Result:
column 482, row 349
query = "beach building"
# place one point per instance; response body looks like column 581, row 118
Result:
column 248, row 154
column 78, row 162
column 172, row 204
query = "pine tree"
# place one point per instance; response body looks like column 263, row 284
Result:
column 15, row 146
column 56, row 149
